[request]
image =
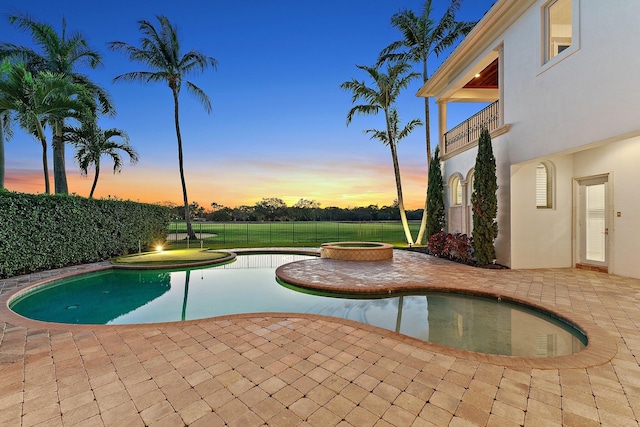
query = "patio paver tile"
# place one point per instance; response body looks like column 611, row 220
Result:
column 283, row 370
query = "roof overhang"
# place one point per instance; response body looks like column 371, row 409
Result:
column 474, row 53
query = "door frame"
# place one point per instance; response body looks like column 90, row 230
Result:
column 578, row 249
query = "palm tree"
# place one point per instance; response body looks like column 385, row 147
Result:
column 60, row 54
column 161, row 52
column 35, row 100
column 6, row 132
column 382, row 98
column 92, row 143
column 422, row 37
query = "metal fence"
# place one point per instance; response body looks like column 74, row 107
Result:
column 469, row 130
column 262, row 233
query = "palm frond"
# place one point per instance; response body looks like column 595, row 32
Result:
column 92, row 143
column 196, row 61
column 364, row 110
column 80, row 53
column 408, row 128
column 380, row 135
column 200, row 96
column 390, row 53
column 42, row 34
column 98, row 93
column 360, row 90
column 141, row 76
column 14, row 53
column 459, row 29
column 160, row 51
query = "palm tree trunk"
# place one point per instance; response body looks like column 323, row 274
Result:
column 403, row 214
column 1, row 151
column 45, row 163
column 187, row 217
column 396, row 172
column 427, row 129
column 95, row 180
column 59, row 169
column 45, row 166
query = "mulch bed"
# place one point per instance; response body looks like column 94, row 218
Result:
column 425, row 250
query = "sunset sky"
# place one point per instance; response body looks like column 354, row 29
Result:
column 278, row 125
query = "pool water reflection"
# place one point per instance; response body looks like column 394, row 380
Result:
column 248, row 285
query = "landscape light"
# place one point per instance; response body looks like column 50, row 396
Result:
column 159, row 248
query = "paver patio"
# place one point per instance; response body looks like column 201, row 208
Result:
column 287, row 370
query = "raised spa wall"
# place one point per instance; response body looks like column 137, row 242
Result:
column 357, row 251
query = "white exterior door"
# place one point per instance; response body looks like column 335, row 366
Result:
column 593, row 221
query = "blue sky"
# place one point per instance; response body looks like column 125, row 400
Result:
column 278, row 125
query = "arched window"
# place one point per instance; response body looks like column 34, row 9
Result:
column 469, row 212
column 470, row 178
column 544, row 186
column 456, row 191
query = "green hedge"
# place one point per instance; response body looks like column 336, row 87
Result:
column 41, row 232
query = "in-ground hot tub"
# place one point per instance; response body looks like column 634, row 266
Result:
column 357, row 251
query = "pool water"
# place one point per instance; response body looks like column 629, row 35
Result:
column 248, row 285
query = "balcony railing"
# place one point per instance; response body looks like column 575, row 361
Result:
column 468, row 131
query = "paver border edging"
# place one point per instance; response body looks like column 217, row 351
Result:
column 601, row 347
column 160, row 266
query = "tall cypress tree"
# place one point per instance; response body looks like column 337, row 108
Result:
column 435, row 197
column 484, row 201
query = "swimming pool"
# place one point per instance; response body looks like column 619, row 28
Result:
column 248, row 285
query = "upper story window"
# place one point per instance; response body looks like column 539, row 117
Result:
column 544, row 186
column 456, row 191
column 558, row 18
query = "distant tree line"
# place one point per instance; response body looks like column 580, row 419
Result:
column 275, row 209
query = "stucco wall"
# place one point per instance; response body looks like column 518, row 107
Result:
column 621, row 159
column 545, row 237
column 541, row 238
column 558, row 112
column 585, row 97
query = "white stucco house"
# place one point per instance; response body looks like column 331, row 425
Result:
column 560, row 79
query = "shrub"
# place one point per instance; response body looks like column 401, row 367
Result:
column 456, row 247
column 437, row 244
column 40, row 232
column 435, row 197
column 484, row 201
column 459, row 247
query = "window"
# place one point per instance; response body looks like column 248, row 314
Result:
column 558, row 27
column 470, row 179
column 456, row 191
column 543, row 186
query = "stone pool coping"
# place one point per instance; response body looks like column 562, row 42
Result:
column 379, row 278
column 399, row 275
column 178, row 264
column 283, row 369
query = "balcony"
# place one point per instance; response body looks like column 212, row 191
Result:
column 467, row 133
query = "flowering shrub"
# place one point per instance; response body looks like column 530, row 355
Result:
column 456, row 247
column 459, row 247
column 437, row 244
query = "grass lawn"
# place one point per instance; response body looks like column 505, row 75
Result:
column 222, row 246
column 289, row 233
column 176, row 256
